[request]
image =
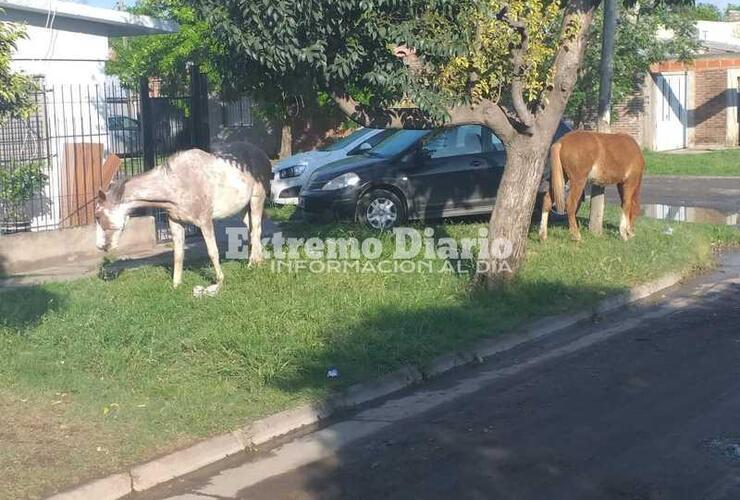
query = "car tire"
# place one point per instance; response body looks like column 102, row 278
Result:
column 381, row 209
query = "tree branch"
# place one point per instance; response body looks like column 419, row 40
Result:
column 578, row 17
column 481, row 113
column 518, row 55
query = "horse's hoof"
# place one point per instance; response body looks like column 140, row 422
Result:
column 255, row 262
column 576, row 238
column 543, row 237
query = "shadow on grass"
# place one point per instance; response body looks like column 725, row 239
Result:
column 23, row 307
column 393, row 337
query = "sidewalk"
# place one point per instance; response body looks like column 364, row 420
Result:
column 67, row 268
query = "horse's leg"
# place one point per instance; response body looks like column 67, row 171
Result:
column 625, row 193
column 256, row 208
column 546, row 206
column 178, row 242
column 572, row 204
column 210, row 237
column 635, row 208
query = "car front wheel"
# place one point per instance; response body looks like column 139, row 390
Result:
column 381, row 209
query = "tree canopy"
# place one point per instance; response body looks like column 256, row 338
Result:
column 167, row 56
column 706, row 12
column 15, row 87
column 490, row 53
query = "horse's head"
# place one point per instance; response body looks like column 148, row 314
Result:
column 111, row 216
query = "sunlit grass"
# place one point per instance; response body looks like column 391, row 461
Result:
column 723, row 163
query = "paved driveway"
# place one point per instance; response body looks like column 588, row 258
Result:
column 719, row 193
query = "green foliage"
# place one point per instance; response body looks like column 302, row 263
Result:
column 15, row 88
column 167, row 56
column 18, row 184
column 706, row 12
column 638, row 45
column 347, row 46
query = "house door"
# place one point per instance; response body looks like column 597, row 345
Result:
column 670, row 112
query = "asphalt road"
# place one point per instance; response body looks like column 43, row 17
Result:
column 642, row 404
column 719, row 193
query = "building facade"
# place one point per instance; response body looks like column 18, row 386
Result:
column 689, row 105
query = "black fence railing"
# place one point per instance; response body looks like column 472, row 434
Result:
column 52, row 162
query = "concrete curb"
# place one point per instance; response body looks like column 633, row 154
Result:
column 212, row 450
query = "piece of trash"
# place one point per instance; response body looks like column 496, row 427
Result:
column 210, row 291
column 668, row 231
column 332, row 373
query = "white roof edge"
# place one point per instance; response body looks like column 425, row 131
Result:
column 82, row 12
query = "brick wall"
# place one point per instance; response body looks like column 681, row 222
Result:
column 629, row 116
column 709, row 116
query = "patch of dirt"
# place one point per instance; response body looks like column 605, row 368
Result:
column 43, row 449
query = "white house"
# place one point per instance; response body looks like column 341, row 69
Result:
column 690, row 105
column 68, row 42
column 82, row 115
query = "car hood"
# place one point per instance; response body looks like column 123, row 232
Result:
column 350, row 164
column 301, row 159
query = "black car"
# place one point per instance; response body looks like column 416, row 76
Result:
column 413, row 174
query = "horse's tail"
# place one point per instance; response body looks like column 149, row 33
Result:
column 557, row 181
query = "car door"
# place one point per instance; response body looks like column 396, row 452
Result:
column 488, row 180
column 447, row 179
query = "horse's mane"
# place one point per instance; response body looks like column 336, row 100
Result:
column 115, row 190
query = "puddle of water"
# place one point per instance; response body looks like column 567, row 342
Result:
column 689, row 214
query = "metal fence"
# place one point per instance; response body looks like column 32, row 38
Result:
column 52, row 162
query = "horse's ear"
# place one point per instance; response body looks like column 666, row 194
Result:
column 101, row 195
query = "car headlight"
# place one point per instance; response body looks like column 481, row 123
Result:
column 293, row 171
column 343, row 181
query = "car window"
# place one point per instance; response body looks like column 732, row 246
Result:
column 397, row 143
column 346, row 141
column 456, row 141
column 377, row 138
column 122, row 123
column 115, row 123
column 492, row 142
column 129, row 123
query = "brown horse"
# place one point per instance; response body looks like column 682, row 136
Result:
column 194, row 187
column 603, row 159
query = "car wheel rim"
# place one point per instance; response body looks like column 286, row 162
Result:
column 382, row 213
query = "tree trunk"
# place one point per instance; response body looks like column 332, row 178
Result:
column 509, row 226
column 286, row 140
column 603, row 122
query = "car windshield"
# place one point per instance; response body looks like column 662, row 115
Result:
column 398, row 143
column 346, row 141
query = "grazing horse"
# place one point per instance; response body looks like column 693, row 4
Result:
column 194, row 187
column 603, row 159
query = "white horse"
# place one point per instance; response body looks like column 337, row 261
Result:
column 194, row 187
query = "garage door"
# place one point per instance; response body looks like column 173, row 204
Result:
column 670, row 112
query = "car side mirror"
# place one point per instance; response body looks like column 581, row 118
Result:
column 365, row 146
